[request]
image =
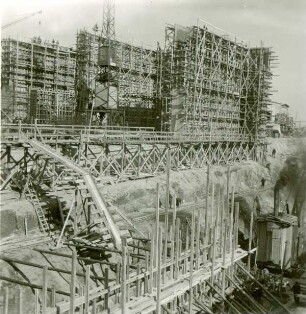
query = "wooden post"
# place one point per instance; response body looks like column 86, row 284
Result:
column 137, row 290
column 106, row 285
column 94, row 306
column 146, row 279
column 81, row 293
column 80, row 148
column 86, row 292
column 44, row 289
column 214, row 234
column 35, row 126
column 152, row 251
column 53, row 295
column 101, row 163
column 127, row 275
column 235, row 237
column 168, row 166
column 123, row 277
column 75, row 222
column 19, row 130
column 218, row 194
column 212, row 206
column 156, row 222
column 177, row 234
column 5, row 300
column 19, row 301
column 37, row 305
column 236, row 224
column 73, row 280
column 25, row 226
column 186, row 251
column 228, row 178
column 250, row 241
column 89, row 217
column 191, row 262
column 224, row 258
column 118, row 271
column 222, row 226
column 207, row 199
column 231, row 231
column 159, row 267
column 173, row 238
column 198, row 238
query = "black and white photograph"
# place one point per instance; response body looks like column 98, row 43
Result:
column 153, row 157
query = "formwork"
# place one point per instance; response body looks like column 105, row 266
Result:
column 52, row 106
column 213, row 83
column 116, row 76
column 34, row 64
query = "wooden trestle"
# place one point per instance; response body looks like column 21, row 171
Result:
column 115, row 155
column 180, row 266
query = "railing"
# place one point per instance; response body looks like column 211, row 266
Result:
column 60, row 133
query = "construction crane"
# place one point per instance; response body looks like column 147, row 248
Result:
column 20, row 20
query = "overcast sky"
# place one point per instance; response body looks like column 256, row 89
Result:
column 280, row 24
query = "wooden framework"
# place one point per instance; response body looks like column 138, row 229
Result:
column 116, row 155
column 213, row 84
column 27, row 65
column 194, row 269
column 115, row 75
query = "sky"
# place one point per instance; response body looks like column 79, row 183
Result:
column 280, row 24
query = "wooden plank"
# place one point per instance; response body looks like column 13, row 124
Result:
column 53, row 295
column 106, row 285
column 158, row 275
column 207, row 199
column 123, row 277
column 44, row 289
column 27, row 284
column 152, row 252
column 223, row 250
column 86, row 292
column 73, row 281
column 250, row 240
column 60, row 270
column 37, row 305
column 251, row 300
column 191, row 262
column 266, row 290
column 167, row 205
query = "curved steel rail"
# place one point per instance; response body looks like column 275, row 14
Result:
column 90, row 184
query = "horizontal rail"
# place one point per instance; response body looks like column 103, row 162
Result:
column 53, row 134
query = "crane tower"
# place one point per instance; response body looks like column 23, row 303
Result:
column 106, row 87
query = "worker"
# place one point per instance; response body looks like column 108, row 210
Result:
column 170, row 200
column 273, row 152
column 287, row 208
column 263, row 182
column 178, row 202
column 296, row 288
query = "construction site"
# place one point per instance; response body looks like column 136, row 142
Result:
column 141, row 180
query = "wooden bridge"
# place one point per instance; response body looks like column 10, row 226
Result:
column 181, row 266
column 114, row 155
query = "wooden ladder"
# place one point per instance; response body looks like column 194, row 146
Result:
column 30, row 194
